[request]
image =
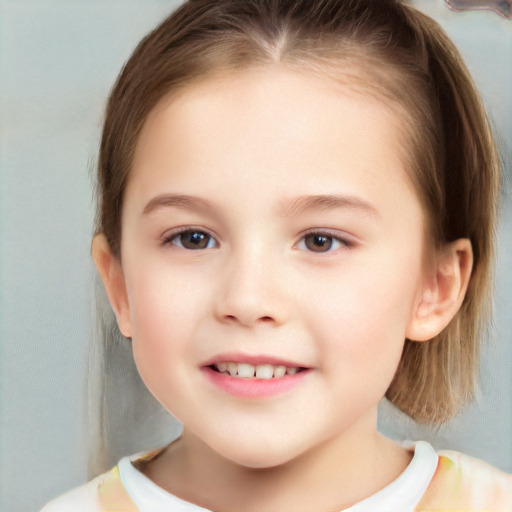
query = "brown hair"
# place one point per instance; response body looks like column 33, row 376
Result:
column 413, row 66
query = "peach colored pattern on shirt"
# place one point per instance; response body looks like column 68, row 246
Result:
column 464, row 484
column 113, row 496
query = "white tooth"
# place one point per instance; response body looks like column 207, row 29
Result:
column 279, row 371
column 264, row 371
column 291, row 371
column 245, row 370
column 222, row 367
column 232, row 369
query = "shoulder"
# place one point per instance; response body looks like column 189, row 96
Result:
column 81, row 499
column 464, row 483
column 104, row 493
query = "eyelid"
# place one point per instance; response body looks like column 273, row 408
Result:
column 344, row 238
column 168, row 236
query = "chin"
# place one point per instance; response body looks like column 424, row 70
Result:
column 258, row 461
column 253, row 455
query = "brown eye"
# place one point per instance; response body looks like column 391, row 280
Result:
column 318, row 242
column 193, row 240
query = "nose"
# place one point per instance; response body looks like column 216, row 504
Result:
column 251, row 291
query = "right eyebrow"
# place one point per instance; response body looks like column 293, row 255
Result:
column 179, row 201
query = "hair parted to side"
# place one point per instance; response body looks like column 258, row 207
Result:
column 384, row 48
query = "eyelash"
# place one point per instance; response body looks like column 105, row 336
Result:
column 330, row 238
column 170, row 238
column 336, row 240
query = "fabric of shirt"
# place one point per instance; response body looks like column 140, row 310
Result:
column 448, row 481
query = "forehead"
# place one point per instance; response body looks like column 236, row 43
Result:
column 305, row 103
column 270, row 127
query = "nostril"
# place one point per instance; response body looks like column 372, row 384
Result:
column 265, row 319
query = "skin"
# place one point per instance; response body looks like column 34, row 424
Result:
column 246, row 148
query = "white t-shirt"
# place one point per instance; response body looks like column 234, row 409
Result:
column 401, row 495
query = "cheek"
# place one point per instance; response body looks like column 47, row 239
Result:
column 363, row 320
column 164, row 301
column 160, row 329
column 161, row 312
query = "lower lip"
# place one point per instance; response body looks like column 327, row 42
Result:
column 254, row 388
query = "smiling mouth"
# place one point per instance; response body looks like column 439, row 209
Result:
column 250, row 371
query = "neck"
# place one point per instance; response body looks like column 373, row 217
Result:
column 333, row 475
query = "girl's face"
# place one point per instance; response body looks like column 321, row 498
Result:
column 269, row 227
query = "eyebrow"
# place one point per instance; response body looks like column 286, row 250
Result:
column 176, row 201
column 296, row 206
column 328, row 202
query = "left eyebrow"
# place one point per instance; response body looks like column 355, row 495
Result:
column 328, row 202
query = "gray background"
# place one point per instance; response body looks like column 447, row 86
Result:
column 58, row 59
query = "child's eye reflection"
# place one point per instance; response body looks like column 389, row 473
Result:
column 196, row 239
column 191, row 239
column 321, row 242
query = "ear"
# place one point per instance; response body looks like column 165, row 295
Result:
column 111, row 272
column 442, row 292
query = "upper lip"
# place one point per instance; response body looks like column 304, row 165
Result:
column 255, row 360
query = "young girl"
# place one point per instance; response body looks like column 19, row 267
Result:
column 296, row 219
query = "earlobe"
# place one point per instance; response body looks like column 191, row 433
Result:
column 111, row 272
column 443, row 291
